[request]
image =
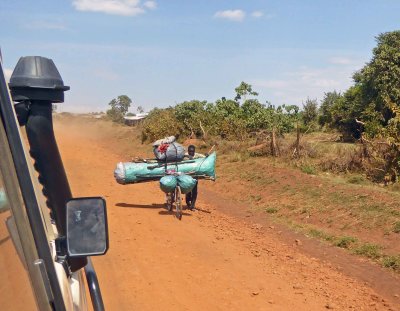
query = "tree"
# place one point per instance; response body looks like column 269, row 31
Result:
column 276, row 121
column 193, row 115
column 161, row 123
column 345, row 111
column 325, row 110
column 366, row 106
column 243, row 90
column 310, row 112
column 119, row 108
column 380, row 78
column 252, row 110
column 140, row 109
column 228, row 117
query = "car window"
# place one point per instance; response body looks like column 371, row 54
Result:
column 15, row 289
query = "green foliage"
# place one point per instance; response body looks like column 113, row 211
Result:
column 119, row 108
column 225, row 118
column 380, row 78
column 369, row 109
column 281, row 119
column 252, row 111
column 271, row 210
column 310, row 112
column 309, row 169
column 320, row 235
column 366, row 106
column 161, row 123
column 193, row 115
column 396, row 227
column 244, row 90
column 345, row 111
column 392, row 262
column 369, row 250
column 345, row 241
column 325, row 110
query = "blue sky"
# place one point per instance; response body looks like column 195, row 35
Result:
column 164, row 52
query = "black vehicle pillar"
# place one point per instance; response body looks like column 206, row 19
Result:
column 35, row 85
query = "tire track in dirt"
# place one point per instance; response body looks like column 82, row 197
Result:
column 207, row 261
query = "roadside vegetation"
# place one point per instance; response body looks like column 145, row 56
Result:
column 354, row 131
column 328, row 167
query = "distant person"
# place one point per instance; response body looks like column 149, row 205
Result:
column 191, row 197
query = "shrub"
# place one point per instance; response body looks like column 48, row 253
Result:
column 369, row 250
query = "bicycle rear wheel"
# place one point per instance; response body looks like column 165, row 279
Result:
column 178, row 202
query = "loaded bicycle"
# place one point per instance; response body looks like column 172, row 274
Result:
column 176, row 175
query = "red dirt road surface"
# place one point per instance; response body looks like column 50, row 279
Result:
column 210, row 260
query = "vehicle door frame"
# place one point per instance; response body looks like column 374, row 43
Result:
column 29, row 222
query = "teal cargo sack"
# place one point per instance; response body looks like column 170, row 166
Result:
column 186, row 183
column 168, row 183
column 129, row 172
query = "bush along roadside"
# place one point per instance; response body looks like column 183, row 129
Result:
column 371, row 251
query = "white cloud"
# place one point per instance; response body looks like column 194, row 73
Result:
column 257, row 14
column 152, row 5
column 117, row 7
column 340, row 60
column 233, row 15
column 8, row 72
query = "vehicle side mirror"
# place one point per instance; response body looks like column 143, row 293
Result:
column 87, row 229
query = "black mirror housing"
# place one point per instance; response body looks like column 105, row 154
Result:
column 87, row 228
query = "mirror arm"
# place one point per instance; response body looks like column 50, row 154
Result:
column 62, row 255
column 94, row 287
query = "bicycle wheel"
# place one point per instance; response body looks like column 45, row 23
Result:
column 178, row 202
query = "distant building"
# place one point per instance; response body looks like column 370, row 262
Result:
column 134, row 120
column 99, row 115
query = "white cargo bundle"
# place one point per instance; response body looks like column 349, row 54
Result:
column 175, row 151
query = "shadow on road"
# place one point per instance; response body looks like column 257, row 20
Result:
column 202, row 210
column 172, row 213
column 154, row 205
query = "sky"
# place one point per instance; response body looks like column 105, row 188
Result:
column 164, row 52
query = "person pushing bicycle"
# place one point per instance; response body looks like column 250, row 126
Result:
column 191, row 197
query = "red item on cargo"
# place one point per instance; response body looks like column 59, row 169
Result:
column 163, row 148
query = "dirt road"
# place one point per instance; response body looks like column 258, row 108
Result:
column 207, row 261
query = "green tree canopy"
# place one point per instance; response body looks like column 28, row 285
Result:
column 366, row 107
column 119, row 108
column 193, row 115
column 161, row 123
column 310, row 112
column 244, row 90
column 325, row 110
